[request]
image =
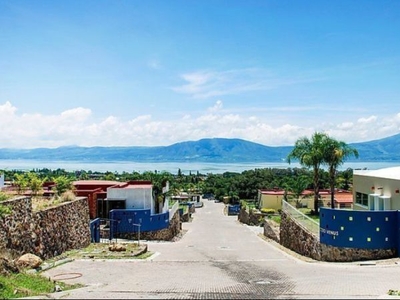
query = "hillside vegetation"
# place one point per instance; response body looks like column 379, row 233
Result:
column 215, row 150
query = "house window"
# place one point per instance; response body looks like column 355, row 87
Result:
column 362, row 199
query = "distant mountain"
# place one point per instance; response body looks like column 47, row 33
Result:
column 385, row 149
column 215, row 150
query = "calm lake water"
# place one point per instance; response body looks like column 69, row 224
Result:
column 172, row 167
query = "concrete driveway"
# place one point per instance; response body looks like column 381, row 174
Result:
column 220, row 258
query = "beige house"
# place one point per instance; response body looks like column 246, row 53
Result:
column 377, row 189
column 272, row 198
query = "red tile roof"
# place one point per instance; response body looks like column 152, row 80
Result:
column 96, row 182
column 342, row 197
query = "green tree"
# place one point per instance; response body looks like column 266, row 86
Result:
column 21, row 182
column 34, row 183
column 63, row 184
column 296, row 186
column 336, row 152
column 311, row 154
column 345, row 179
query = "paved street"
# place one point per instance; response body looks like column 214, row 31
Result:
column 219, row 258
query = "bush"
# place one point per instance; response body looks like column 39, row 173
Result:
column 269, row 211
column 68, row 196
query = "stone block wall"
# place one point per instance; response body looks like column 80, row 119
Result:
column 45, row 233
column 271, row 230
column 15, row 228
column 294, row 237
column 62, row 228
column 185, row 217
column 253, row 219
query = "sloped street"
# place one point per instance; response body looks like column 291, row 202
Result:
column 219, row 258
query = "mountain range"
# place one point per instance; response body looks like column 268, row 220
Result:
column 213, row 150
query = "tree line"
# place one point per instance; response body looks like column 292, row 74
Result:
column 312, row 153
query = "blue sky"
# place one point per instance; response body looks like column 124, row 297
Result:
column 152, row 73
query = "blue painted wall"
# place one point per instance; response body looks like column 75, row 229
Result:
column 398, row 233
column 359, row 229
column 124, row 220
column 233, row 209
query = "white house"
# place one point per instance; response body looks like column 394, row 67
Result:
column 376, row 189
column 135, row 194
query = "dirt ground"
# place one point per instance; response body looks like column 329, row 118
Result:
column 103, row 251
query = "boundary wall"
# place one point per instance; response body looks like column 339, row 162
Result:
column 46, row 233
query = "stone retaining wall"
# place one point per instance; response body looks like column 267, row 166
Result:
column 271, row 230
column 253, row 219
column 44, row 233
column 257, row 219
column 185, row 217
column 294, row 237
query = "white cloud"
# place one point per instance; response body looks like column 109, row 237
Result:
column 76, row 127
column 196, row 82
column 7, row 109
column 76, row 114
column 368, row 120
column 218, row 106
column 345, row 125
column 206, row 84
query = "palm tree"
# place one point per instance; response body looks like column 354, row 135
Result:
column 296, row 186
column 336, row 153
column 345, row 179
column 311, row 154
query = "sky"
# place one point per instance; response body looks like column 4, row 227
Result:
column 155, row 72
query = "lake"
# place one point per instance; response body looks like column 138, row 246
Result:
column 171, row 167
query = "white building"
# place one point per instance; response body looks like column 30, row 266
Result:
column 376, row 189
column 135, row 194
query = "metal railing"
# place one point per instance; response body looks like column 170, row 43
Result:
column 304, row 221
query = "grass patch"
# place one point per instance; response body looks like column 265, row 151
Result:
column 394, row 293
column 307, row 212
column 26, row 285
column 23, row 284
column 275, row 218
column 144, row 255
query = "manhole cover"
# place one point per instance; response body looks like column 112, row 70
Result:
column 260, row 281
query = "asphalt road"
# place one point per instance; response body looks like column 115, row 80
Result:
column 220, row 258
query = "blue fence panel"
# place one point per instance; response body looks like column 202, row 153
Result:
column 127, row 220
column 159, row 221
column 359, row 229
column 233, row 209
column 95, row 231
column 398, row 233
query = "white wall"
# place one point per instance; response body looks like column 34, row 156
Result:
column 363, row 183
column 136, row 198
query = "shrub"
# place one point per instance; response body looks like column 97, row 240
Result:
column 68, row 196
column 269, row 211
